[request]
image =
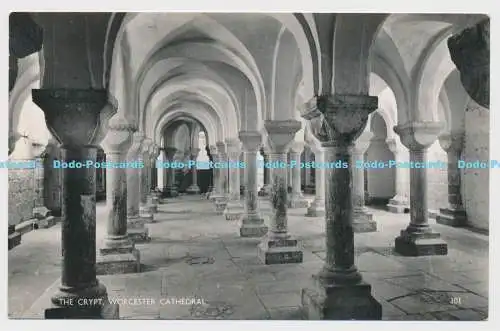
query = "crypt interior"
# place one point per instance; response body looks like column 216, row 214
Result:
column 252, row 242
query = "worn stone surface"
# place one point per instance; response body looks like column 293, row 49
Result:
column 21, row 195
column 187, row 230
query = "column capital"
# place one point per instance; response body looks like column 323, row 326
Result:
column 221, row 147
column 281, row 133
column 170, row 152
column 251, row 140
column 213, row 150
column 155, row 151
column 418, row 135
column 73, row 116
column 339, row 118
column 470, row 52
column 233, row 145
column 452, row 141
column 146, row 145
column 194, row 152
column 393, row 145
column 297, row 147
column 118, row 138
column 363, row 142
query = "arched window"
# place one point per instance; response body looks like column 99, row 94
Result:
column 203, row 158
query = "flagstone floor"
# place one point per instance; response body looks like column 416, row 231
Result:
column 195, row 252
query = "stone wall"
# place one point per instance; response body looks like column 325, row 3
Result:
column 21, row 195
column 475, row 182
column 437, row 179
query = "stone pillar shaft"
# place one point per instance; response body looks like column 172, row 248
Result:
column 278, row 224
column 454, row 180
column 419, row 212
column 116, row 200
column 79, row 217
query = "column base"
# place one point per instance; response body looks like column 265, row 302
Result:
column 171, row 192
column 137, row 231
column 252, row 226
column 139, row 235
column 316, row 210
column 233, row 211
column 452, row 217
column 214, row 196
column 398, row 206
column 146, row 213
column 106, row 311
column 193, row 189
column 298, row 201
column 341, row 302
column 363, row 222
column 220, row 205
column 118, row 260
column 280, row 250
column 420, row 244
column 14, row 239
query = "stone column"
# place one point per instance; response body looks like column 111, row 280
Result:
column 145, row 211
column 118, row 254
column 278, row 246
column 153, row 196
column 215, row 174
column 268, row 177
column 73, row 117
column 418, row 238
column 362, row 219
column 234, row 208
column 399, row 203
column 296, row 200
column 222, row 199
column 339, row 293
column 171, row 186
column 136, row 228
column 252, row 223
column 162, row 184
column 317, row 207
column 454, row 214
column 193, row 188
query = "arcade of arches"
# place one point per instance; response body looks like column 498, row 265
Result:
column 223, row 90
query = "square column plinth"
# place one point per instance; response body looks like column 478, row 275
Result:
column 118, row 260
column 420, row 244
column 280, row 250
column 363, row 222
column 340, row 302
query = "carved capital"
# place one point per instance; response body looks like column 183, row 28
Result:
column 339, row 119
column 119, row 136
column 281, row 133
column 147, row 144
column 418, row 135
column 213, row 150
column 233, row 145
column 452, row 141
column 470, row 51
column 251, row 140
column 221, row 148
column 72, row 116
column 136, row 147
column 194, row 153
column 393, row 145
column 170, row 152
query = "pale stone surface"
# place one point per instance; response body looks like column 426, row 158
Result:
column 35, row 265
